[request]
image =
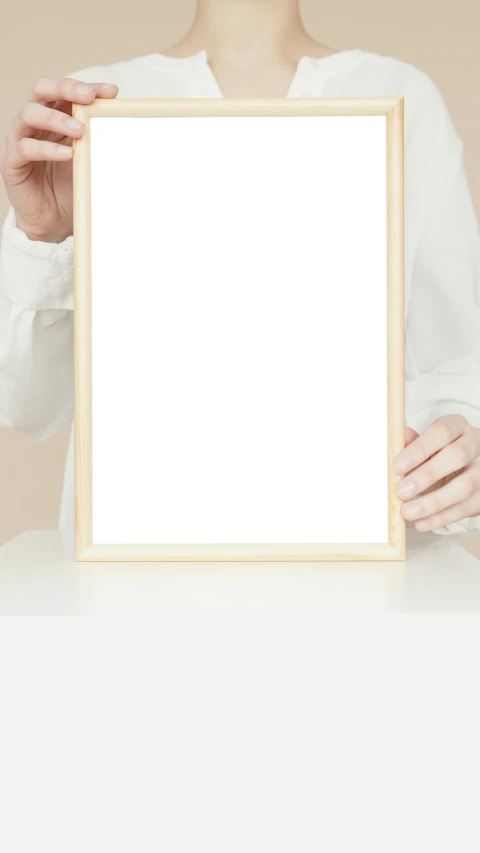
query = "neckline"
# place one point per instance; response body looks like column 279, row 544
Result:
column 183, row 64
column 201, row 55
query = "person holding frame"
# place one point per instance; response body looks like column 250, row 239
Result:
column 248, row 49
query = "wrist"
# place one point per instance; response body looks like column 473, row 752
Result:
column 43, row 235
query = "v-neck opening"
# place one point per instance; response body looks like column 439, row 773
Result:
column 291, row 87
column 190, row 65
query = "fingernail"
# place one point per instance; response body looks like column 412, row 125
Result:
column 108, row 86
column 423, row 525
column 406, row 489
column 402, row 463
column 64, row 150
column 84, row 90
column 73, row 123
column 412, row 510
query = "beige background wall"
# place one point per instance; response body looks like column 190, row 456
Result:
column 438, row 36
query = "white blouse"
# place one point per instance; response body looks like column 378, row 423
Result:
column 442, row 254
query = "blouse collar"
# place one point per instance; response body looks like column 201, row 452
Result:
column 310, row 74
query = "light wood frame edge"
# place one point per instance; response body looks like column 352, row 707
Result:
column 395, row 318
column 220, row 553
column 83, row 337
column 85, row 551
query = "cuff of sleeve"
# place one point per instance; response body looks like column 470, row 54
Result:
column 35, row 275
column 465, row 527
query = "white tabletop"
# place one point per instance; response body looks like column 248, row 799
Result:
column 39, row 576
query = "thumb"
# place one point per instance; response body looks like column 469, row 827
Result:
column 410, row 435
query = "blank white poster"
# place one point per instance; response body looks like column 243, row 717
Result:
column 239, row 334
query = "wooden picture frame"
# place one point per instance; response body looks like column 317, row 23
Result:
column 393, row 545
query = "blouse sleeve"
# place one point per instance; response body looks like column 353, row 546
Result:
column 36, row 327
column 443, row 320
column 36, row 332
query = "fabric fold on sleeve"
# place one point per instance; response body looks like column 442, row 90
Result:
column 35, row 275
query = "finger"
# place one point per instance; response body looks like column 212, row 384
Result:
column 34, row 116
column 452, row 458
column 441, row 433
column 29, row 150
column 468, row 509
column 410, row 435
column 48, row 89
column 464, row 509
column 458, row 490
column 102, row 90
column 105, row 90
